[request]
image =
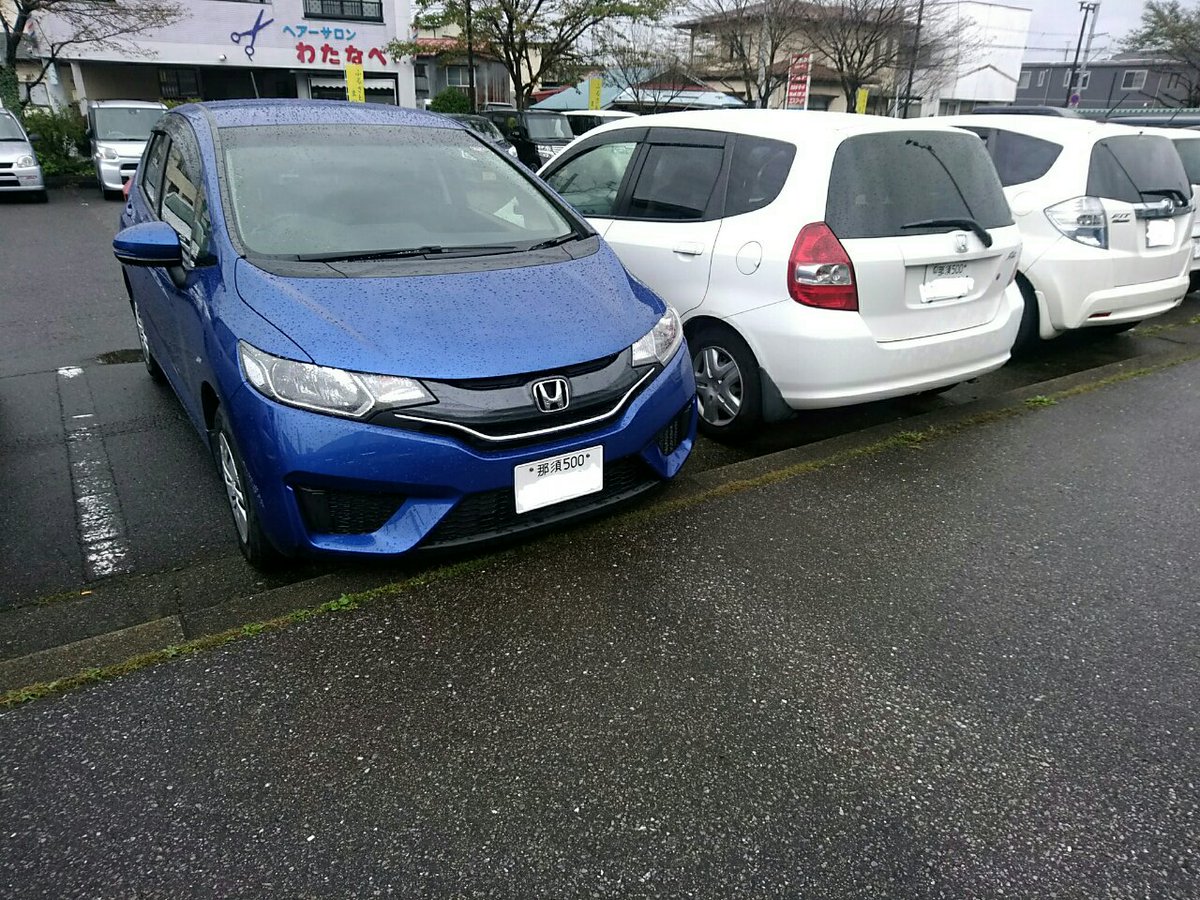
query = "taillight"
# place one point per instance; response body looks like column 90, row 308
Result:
column 819, row 270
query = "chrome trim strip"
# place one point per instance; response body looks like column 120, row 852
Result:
column 556, row 429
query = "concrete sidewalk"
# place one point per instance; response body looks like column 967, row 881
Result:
column 966, row 667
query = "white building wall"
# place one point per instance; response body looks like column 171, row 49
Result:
column 987, row 64
column 219, row 33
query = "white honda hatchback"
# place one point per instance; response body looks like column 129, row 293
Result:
column 817, row 259
column 1106, row 220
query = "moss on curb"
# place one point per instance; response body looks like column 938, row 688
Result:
column 902, row 440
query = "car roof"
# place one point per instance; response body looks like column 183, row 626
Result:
column 598, row 113
column 142, row 104
column 1173, row 134
column 782, row 124
column 1052, row 128
column 242, row 113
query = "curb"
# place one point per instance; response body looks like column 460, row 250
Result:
column 158, row 596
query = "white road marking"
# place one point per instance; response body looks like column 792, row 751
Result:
column 97, row 511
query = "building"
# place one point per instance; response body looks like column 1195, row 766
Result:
column 441, row 63
column 1127, row 81
column 977, row 58
column 226, row 49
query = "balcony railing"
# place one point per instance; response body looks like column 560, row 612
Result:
column 348, row 10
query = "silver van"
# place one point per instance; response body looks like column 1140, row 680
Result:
column 19, row 169
column 119, row 130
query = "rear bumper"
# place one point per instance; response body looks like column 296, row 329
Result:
column 445, row 492
column 825, row 358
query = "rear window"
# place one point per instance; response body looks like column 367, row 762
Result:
column 1018, row 158
column 882, row 182
column 1140, row 168
column 1189, row 155
column 759, row 168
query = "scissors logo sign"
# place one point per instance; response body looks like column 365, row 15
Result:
column 252, row 35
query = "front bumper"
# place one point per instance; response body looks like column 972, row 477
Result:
column 416, row 484
column 825, row 358
column 25, row 179
column 113, row 173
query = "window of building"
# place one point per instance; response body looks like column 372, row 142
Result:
column 353, row 10
column 1042, row 78
column 1082, row 79
column 1133, row 80
column 418, row 70
column 178, row 84
column 1026, row 77
column 459, row 76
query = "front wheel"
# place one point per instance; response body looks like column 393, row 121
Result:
column 728, row 385
column 251, row 538
column 152, row 366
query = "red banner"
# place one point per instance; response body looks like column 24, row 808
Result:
column 798, row 78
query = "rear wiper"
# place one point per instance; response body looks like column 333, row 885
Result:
column 554, row 241
column 969, row 224
column 1173, row 193
column 406, row 253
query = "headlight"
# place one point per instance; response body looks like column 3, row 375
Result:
column 109, row 153
column 24, row 162
column 660, row 342
column 354, row 395
column 1082, row 220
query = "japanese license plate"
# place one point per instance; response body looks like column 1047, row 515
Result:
column 1160, row 232
column 946, row 281
column 545, row 482
column 945, row 270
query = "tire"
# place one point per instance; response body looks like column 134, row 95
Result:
column 152, row 367
column 111, row 195
column 1027, row 335
column 1113, row 330
column 728, row 384
column 39, row 197
column 247, row 525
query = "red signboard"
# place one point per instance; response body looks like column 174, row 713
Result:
column 798, row 76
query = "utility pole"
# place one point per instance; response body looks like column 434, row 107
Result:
column 470, row 55
column 912, row 62
column 1089, row 8
column 1087, row 48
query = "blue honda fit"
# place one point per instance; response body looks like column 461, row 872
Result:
column 390, row 335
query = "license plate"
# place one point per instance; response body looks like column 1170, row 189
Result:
column 555, row 479
column 946, row 281
column 1160, row 232
column 945, row 270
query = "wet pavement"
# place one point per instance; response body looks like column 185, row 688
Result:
column 964, row 669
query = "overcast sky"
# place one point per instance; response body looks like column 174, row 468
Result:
column 1056, row 23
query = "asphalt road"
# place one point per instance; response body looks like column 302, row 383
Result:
column 101, row 473
column 970, row 669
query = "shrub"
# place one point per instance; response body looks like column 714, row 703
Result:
column 63, row 145
column 451, row 100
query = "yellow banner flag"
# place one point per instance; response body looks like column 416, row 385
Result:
column 593, row 93
column 860, row 101
column 355, row 91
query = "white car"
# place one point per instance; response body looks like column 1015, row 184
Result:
column 1106, row 219
column 1187, row 143
column 817, row 259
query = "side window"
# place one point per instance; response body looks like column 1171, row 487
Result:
column 1020, row 158
column 183, row 202
column 152, row 168
column 590, row 181
column 758, row 170
column 676, row 182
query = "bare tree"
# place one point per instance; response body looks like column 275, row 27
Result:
column 49, row 28
column 642, row 61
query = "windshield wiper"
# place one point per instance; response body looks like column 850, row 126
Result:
column 969, row 224
column 554, row 241
column 407, row 253
column 1173, row 193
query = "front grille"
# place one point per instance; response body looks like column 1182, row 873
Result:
column 345, row 512
column 490, row 514
column 672, row 434
column 6, row 165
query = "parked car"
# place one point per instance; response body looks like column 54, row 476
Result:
column 584, row 120
column 1105, row 215
column 537, row 135
column 19, row 169
column 817, row 259
column 1060, row 112
column 428, row 350
column 118, row 131
column 1187, row 145
column 485, row 129
column 1169, row 119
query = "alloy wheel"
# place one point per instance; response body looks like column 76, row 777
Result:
column 718, row 385
column 233, row 487
column 141, row 330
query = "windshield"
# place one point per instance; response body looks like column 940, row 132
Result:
column 1189, row 152
column 1140, row 168
column 9, row 129
column 548, row 128
column 302, row 190
column 125, row 123
column 482, row 126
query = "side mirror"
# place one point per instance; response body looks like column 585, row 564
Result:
column 151, row 244
column 34, row 137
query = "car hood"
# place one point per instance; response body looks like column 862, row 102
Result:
column 11, row 151
column 124, row 149
column 467, row 325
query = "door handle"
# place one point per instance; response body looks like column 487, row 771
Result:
column 690, row 248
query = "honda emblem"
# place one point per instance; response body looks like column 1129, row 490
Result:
column 552, row 394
